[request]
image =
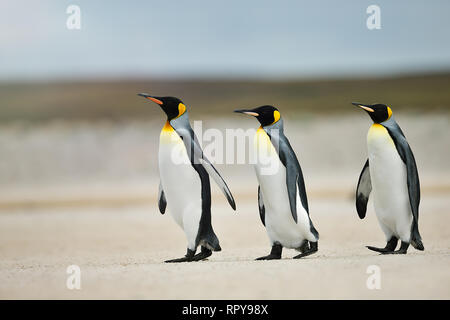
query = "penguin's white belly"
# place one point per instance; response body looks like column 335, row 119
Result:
column 389, row 184
column 280, row 225
column 181, row 184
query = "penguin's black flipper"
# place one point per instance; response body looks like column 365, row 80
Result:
column 363, row 190
column 262, row 209
column 195, row 153
column 405, row 152
column 294, row 175
column 212, row 171
column 162, row 203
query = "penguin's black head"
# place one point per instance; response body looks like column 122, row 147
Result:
column 172, row 106
column 266, row 115
column 378, row 112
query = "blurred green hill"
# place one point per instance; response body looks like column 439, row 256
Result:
column 117, row 100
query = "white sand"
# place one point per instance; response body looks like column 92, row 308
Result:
column 120, row 253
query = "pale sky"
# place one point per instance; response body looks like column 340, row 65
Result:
column 204, row 38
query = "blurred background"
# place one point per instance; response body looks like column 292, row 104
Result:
column 74, row 137
column 70, row 116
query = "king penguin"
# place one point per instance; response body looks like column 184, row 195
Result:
column 391, row 173
column 184, row 186
column 282, row 201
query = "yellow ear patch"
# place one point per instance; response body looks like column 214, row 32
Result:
column 276, row 116
column 181, row 109
column 389, row 110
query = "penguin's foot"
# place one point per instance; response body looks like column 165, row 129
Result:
column 275, row 253
column 403, row 249
column 187, row 258
column 390, row 247
column 205, row 253
column 307, row 249
column 269, row 257
column 380, row 250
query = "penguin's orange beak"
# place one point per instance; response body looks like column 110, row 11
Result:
column 249, row 112
column 362, row 106
column 155, row 100
column 149, row 97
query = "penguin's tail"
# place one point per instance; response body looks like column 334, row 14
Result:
column 417, row 243
column 211, row 242
column 416, row 239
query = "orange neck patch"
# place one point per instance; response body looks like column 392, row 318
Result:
column 167, row 127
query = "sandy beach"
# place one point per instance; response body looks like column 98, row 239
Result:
column 120, row 253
